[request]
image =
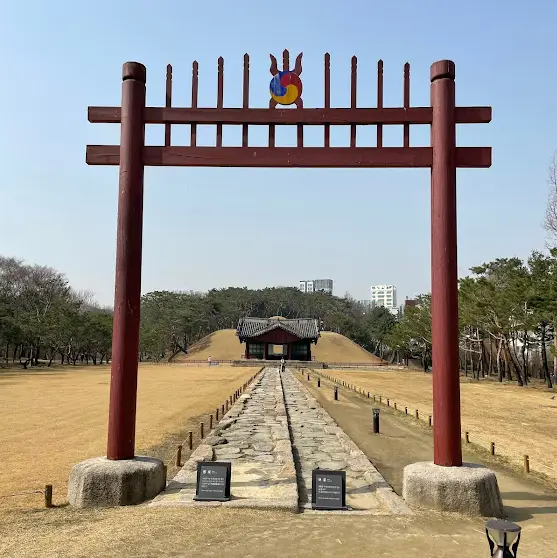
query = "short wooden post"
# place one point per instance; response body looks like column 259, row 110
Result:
column 48, row 496
column 388, row 402
column 380, row 397
column 190, row 439
column 217, row 414
column 211, row 422
column 201, row 430
column 467, row 437
column 222, row 410
column 226, row 406
column 492, row 448
column 526, row 464
column 318, row 382
column 395, row 405
column 429, row 421
column 417, row 414
column 179, row 457
column 368, row 394
column 336, row 393
column 405, row 410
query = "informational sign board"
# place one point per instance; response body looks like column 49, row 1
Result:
column 213, row 481
column 328, row 490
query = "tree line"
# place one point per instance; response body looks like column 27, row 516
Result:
column 508, row 319
column 507, row 313
column 43, row 319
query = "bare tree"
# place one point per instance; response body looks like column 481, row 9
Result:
column 550, row 222
column 550, row 225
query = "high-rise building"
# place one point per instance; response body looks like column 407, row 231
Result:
column 317, row 285
column 384, row 295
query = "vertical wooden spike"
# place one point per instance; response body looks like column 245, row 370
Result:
column 271, row 135
column 380, row 100
column 327, row 130
column 220, row 94
column 167, row 126
column 245, row 102
column 194, row 91
column 406, row 102
column 285, row 60
column 353, row 93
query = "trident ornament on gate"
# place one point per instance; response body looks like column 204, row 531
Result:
column 286, row 86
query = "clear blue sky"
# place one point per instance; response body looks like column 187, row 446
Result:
column 209, row 228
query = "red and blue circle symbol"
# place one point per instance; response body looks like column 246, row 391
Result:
column 286, row 87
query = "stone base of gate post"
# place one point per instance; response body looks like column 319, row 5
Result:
column 471, row 489
column 101, row 482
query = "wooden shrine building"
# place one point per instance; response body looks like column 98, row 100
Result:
column 276, row 338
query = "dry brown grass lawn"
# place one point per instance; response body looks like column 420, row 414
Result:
column 519, row 420
column 53, row 419
column 331, row 347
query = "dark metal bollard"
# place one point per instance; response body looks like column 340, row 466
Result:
column 48, row 496
column 318, row 382
column 376, row 421
column 336, row 393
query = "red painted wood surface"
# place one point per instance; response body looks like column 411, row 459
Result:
column 275, row 337
column 444, row 286
column 289, row 117
column 286, row 157
column 127, row 293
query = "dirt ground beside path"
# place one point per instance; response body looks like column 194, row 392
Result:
column 146, row 532
column 141, row 532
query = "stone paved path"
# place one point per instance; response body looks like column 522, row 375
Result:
column 254, row 437
column 318, row 443
column 274, row 436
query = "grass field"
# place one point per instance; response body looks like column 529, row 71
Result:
column 519, row 420
column 53, row 419
column 331, row 347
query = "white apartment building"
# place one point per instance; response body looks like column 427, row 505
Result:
column 384, row 295
column 317, row 285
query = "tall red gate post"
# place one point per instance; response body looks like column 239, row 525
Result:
column 444, row 279
column 127, row 291
column 447, row 484
column 122, row 478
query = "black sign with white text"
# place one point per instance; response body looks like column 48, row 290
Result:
column 213, row 481
column 328, row 490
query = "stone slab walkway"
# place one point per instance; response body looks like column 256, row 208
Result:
column 254, row 437
column 319, row 443
column 274, row 436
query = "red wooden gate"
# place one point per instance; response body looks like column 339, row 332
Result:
column 443, row 157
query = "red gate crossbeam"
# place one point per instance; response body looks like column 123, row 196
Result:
column 307, row 116
column 350, row 157
column 300, row 157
